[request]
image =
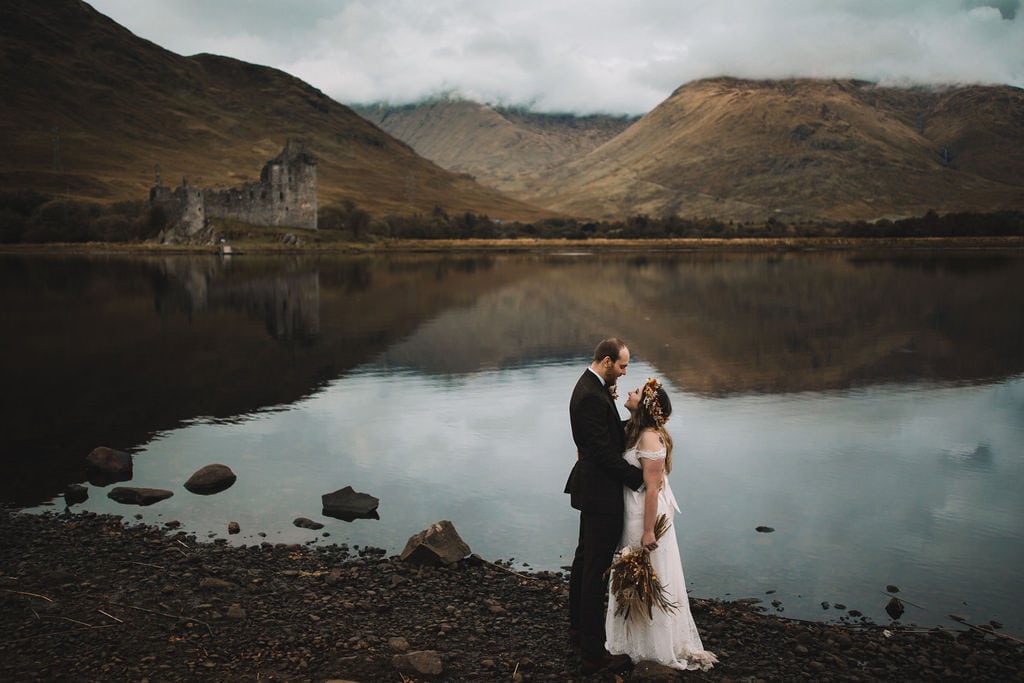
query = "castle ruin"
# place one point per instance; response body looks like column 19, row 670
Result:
column 284, row 196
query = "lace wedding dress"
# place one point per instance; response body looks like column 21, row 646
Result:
column 670, row 638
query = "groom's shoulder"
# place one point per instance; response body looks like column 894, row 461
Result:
column 587, row 392
column 586, row 383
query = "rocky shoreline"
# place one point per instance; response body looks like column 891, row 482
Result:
column 86, row 596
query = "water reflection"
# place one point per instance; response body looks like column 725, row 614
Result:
column 870, row 408
column 287, row 302
column 108, row 350
column 859, row 485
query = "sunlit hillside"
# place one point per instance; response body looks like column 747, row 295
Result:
column 805, row 149
column 756, row 150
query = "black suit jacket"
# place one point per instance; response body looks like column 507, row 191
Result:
column 595, row 483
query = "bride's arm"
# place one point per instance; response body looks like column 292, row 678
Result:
column 654, row 476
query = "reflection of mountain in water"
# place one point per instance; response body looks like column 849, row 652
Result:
column 720, row 324
column 106, row 351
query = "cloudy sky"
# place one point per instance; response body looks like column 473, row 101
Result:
column 583, row 56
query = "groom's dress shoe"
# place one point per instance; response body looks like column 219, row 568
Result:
column 608, row 662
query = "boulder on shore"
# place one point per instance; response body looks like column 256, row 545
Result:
column 349, row 504
column 424, row 662
column 210, row 479
column 131, row 495
column 107, row 465
column 439, row 544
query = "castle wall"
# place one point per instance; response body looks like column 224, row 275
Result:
column 284, row 196
column 185, row 207
column 193, row 213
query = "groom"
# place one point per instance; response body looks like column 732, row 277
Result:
column 595, row 489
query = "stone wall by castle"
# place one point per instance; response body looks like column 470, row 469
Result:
column 284, row 196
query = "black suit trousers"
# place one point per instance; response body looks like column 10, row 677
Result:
column 588, row 587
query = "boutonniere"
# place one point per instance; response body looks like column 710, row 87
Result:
column 611, row 390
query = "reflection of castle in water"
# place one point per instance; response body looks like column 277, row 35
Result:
column 288, row 303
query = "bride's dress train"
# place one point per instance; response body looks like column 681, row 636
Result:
column 670, row 638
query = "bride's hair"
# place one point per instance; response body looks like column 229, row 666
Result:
column 652, row 413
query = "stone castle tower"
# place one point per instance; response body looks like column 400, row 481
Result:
column 284, row 196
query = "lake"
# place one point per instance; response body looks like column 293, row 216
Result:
column 867, row 406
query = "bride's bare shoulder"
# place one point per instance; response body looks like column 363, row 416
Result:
column 650, row 440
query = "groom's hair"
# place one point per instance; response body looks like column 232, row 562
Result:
column 609, row 347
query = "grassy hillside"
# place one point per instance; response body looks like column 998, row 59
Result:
column 729, row 149
column 90, row 110
column 803, row 150
column 497, row 146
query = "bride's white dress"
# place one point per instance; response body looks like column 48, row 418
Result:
column 670, row 638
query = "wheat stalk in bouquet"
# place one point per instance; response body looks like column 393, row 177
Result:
column 635, row 584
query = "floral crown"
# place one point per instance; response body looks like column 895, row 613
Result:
column 650, row 401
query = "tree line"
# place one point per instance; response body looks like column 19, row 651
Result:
column 32, row 217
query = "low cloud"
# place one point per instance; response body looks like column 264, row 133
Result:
column 583, row 56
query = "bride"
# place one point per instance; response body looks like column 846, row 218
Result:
column 669, row 636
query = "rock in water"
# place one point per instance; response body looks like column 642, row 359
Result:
column 348, row 504
column 895, row 608
column 439, row 544
column 130, row 495
column 307, row 523
column 107, row 466
column 210, row 479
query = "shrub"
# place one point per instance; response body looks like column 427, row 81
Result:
column 62, row 220
column 12, row 225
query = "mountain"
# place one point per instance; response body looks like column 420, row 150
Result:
column 498, row 146
column 90, row 110
column 753, row 150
